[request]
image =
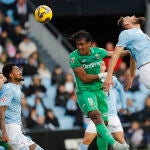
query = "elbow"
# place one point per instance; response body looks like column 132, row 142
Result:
column 84, row 80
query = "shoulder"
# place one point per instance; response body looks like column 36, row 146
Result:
column 73, row 54
column 127, row 32
column 8, row 86
column 97, row 49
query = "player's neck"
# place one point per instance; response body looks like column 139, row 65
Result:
column 136, row 26
column 14, row 82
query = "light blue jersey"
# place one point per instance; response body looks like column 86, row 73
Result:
column 10, row 96
column 138, row 43
column 112, row 98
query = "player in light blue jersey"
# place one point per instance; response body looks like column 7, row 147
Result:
column 114, row 124
column 138, row 43
column 10, row 111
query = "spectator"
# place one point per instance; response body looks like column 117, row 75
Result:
column 25, row 110
column 27, row 47
column 18, row 60
column 40, row 108
column 36, row 87
column 36, row 57
column 40, row 123
column 51, row 120
column 3, row 38
column 10, row 49
column 58, row 76
column 30, row 69
column 110, row 47
column 61, row 96
column 131, row 108
column 43, row 71
column 136, row 135
column 31, row 120
column 71, row 106
column 7, row 26
column 145, row 113
column 69, row 83
column 3, row 58
column 18, row 35
column 6, row 5
column 21, row 12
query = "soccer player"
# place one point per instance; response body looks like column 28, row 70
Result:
column 10, row 111
column 114, row 124
column 85, row 63
column 138, row 43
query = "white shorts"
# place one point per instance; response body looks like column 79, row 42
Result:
column 144, row 73
column 114, row 125
column 16, row 138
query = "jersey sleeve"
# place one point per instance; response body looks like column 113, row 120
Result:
column 74, row 62
column 103, row 53
column 123, row 39
column 120, row 91
column 6, row 97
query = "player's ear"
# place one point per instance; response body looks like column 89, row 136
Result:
column 11, row 75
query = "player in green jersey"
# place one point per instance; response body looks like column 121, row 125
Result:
column 85, row 62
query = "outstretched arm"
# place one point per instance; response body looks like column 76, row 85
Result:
column 122, row 54
column 111, row 66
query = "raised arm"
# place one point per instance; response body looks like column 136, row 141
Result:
column 111, row 66
column 122, row 54
column 2, row 123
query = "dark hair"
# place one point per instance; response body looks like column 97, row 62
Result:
column 120, row 24
column 7, row 68
column 82, row 34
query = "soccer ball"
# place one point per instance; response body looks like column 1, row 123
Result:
column 43, row 14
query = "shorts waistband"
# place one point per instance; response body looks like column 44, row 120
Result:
column 143, row 65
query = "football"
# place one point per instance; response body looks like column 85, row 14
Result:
column 43, row 14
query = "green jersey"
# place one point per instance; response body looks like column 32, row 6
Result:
column 91, row 64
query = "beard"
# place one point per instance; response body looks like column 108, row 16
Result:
column 140, row 20
column 20, row 79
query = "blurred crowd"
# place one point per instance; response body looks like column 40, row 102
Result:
column 49, row 100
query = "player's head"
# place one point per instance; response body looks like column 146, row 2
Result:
column 83, row 41
column 12, row 72
column 102, row 67
column 128, row 22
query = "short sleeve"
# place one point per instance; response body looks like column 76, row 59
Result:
column 74, row 62
column 6, row 97
column 123, row 39
column 103, row 53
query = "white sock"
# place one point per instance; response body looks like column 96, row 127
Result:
column 83, row 146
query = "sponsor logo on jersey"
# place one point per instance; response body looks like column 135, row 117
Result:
column 83, row 60
column 97, row 56
column 91, row 65
column 72, row 60
column 90, row 100
column 3, row 99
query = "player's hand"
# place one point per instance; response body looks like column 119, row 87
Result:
column 107, row 83
column 122, row 110
column 5, row 137
column 128, row 83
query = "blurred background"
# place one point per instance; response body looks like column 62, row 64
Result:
column 50, row 113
